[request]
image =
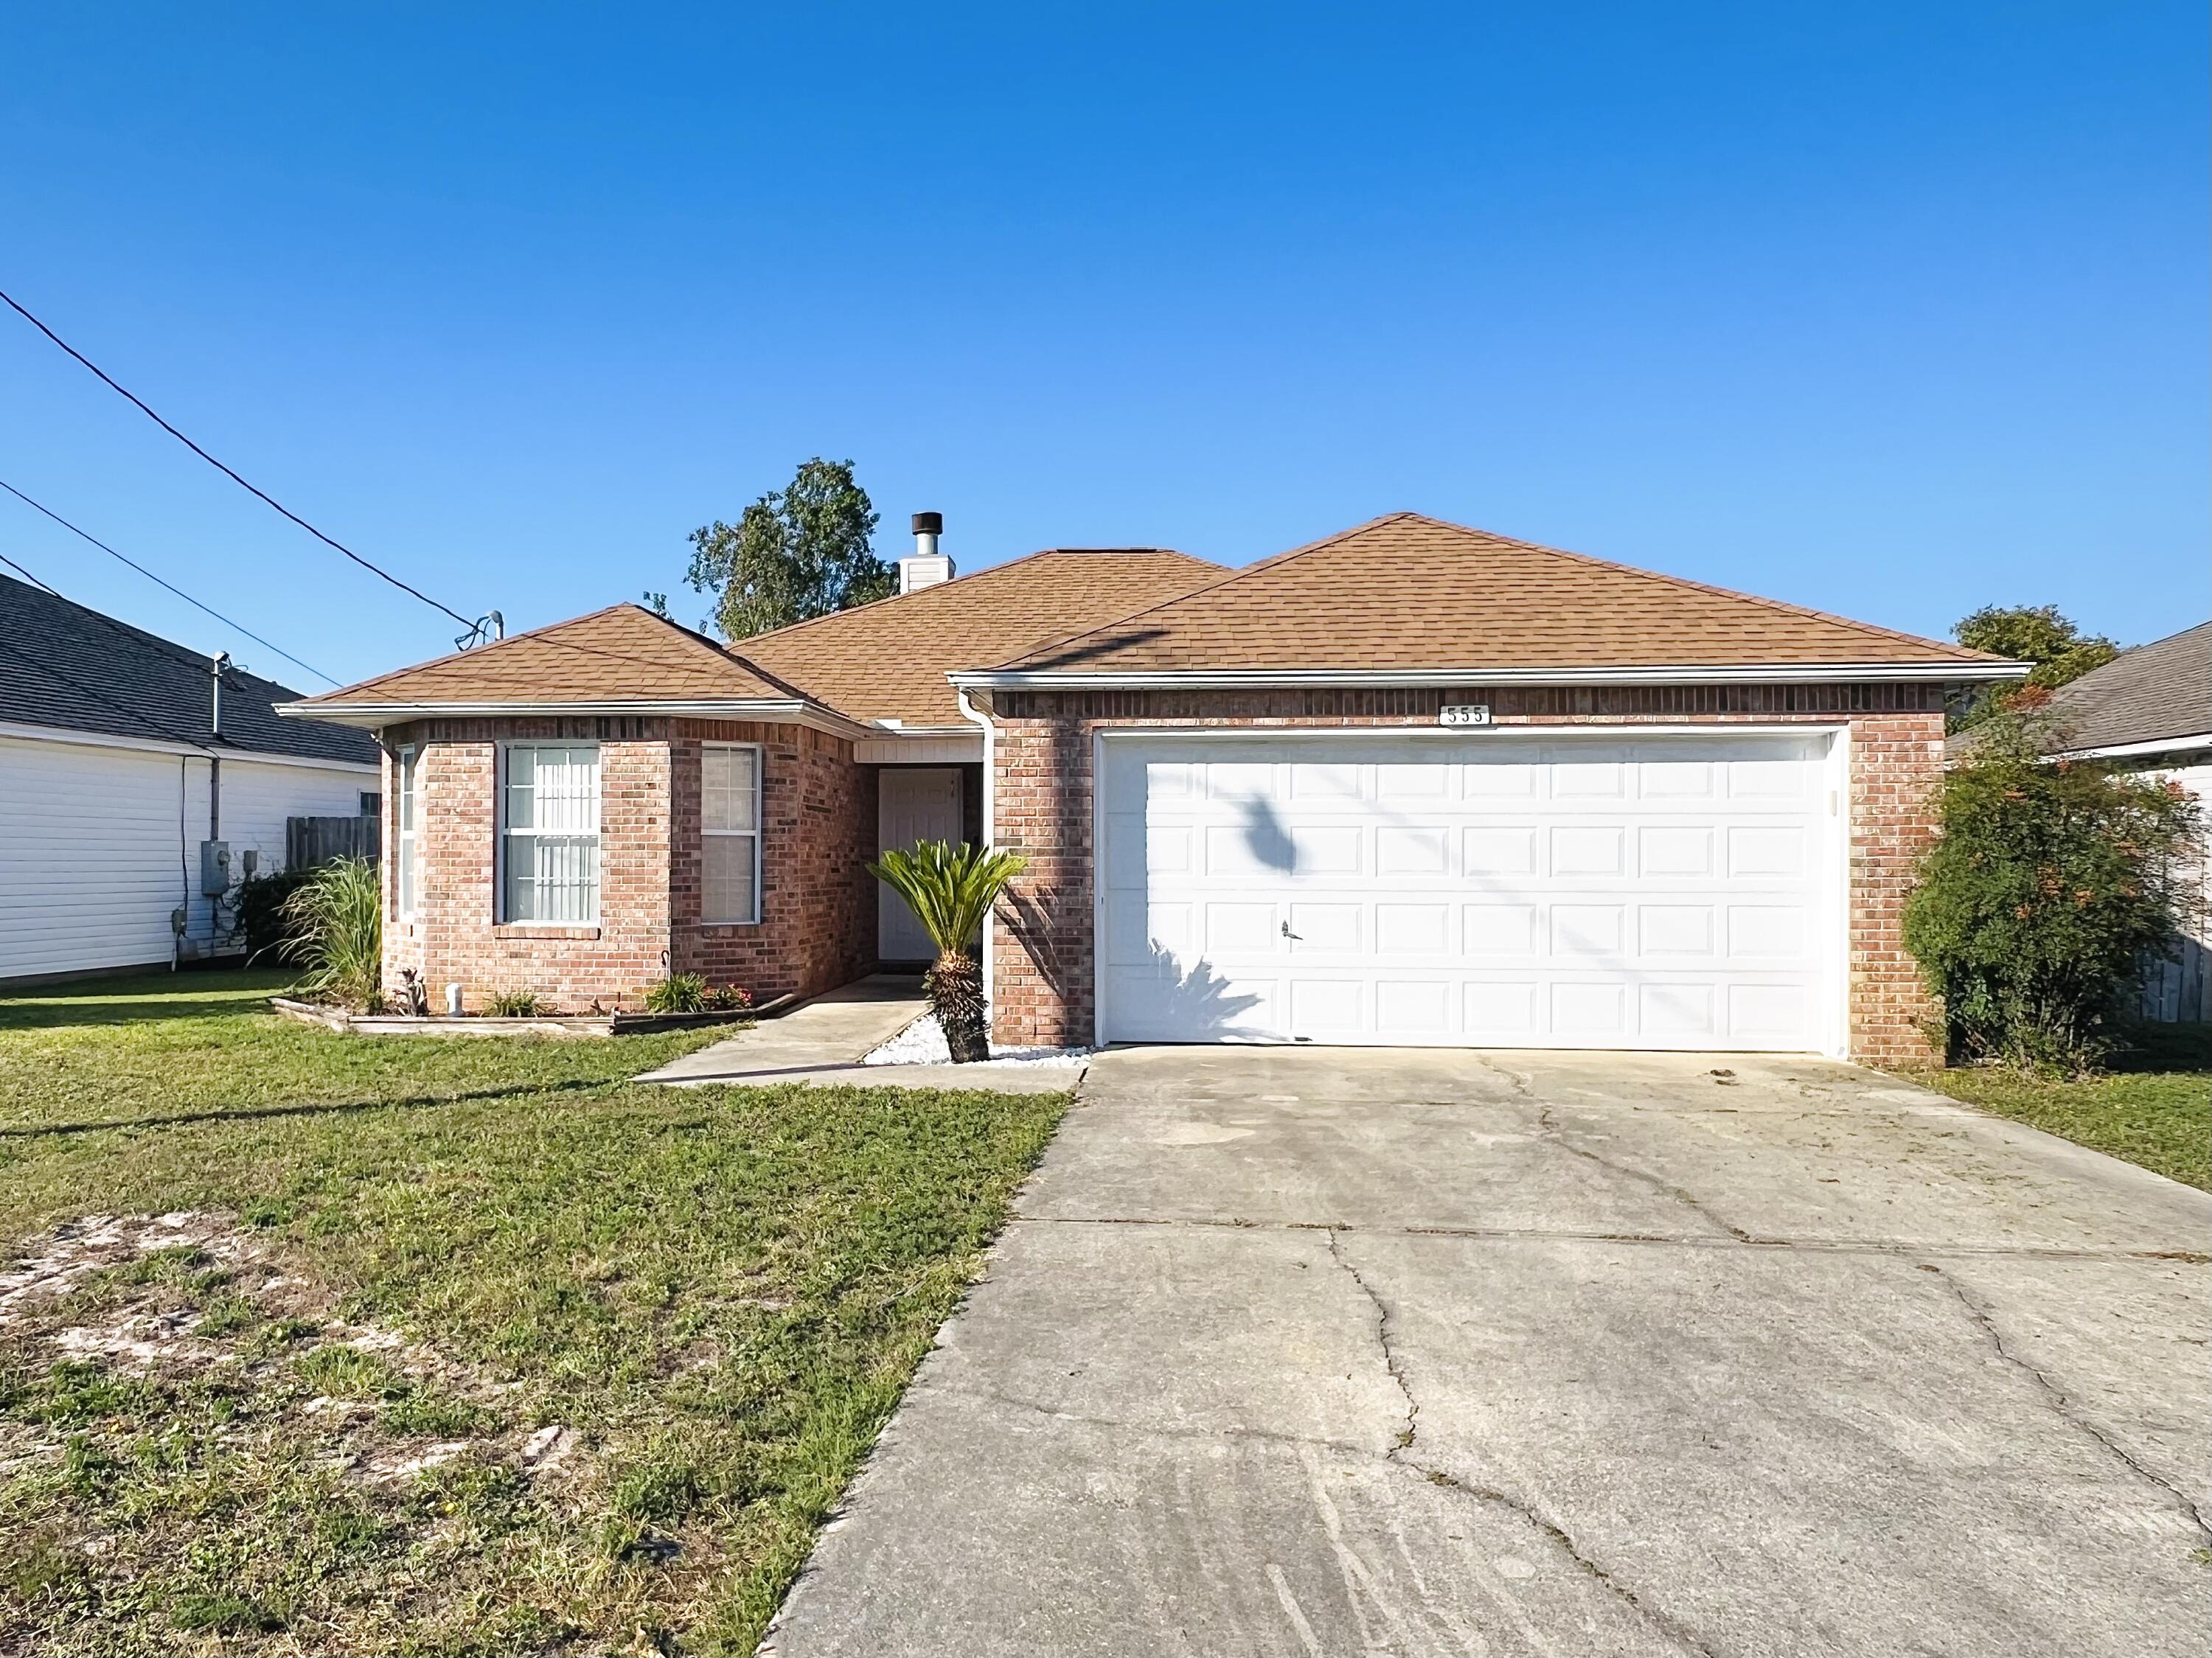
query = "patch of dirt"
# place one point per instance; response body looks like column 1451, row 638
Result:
column 191, row 1297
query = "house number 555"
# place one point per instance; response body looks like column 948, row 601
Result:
column 1463, row 713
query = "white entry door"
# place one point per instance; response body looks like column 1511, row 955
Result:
column 913, row 803
column 1498, row 890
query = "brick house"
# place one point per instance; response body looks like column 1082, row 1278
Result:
column 1413, row 783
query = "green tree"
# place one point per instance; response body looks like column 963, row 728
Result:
column 2051, row 882
column 798, row 552
column 2029, row 633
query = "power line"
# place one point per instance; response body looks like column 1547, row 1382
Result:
column 151, row 577
column 329, row 540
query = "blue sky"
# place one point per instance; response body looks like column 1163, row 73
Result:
column 1890, row 310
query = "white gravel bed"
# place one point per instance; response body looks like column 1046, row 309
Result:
column 923, row 1043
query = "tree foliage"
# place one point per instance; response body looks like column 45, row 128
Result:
column 2029, row 633
column 2050, row 883
column 951, row 890
column 798, row 552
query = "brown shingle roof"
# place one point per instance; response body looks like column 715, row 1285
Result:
column 1410, row 593
column 888, row 660
column 623, row 653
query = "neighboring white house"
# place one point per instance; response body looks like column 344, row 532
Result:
column 2150, row 710
column 126, row 797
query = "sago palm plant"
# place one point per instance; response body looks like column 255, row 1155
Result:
column 951, row 890
column 338, row 923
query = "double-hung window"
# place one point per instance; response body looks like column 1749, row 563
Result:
column 548, row 833
column 408, row 807
column 729, row 824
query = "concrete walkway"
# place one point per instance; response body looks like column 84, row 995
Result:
column 822, row 1043
column 1328, row 1352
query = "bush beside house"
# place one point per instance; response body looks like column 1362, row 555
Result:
column 2050, row 883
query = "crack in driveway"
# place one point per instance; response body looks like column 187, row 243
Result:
column 2061, row 1403
column 1400, row 1454
column 1548, row 1124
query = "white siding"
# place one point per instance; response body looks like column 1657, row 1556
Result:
column 2181, row 989
column 98, row 845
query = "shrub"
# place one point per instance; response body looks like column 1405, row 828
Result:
column 339, row 914
column 2052, row 880
column 261, row 913
column 514, row 1004
column 729, row 999
column 951, row 890
column 679, row 993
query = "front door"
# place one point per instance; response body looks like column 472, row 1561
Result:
column 913, row 803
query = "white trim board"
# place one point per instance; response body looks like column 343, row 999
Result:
column 2130, row 751
column 191, row 750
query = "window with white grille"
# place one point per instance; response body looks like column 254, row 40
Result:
column 729, row 823
column 548, row 833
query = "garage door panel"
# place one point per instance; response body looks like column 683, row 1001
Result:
column 1505, row 850
column 1412, row 929
column 1495, row 780
column 1498, row 929
column 1654, row 893
column 1499, row 1011
column 1588, row 849
column 1408, row 1009
column 1337, row 928
column 1238, row 929
column 1403, row 849
column 1771, row 931
column 1675, row 849
column 1675, row 929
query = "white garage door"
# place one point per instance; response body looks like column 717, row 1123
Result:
column 1485, row 890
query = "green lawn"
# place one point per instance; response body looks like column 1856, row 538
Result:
column 460, row 1346
column 2153, row 1108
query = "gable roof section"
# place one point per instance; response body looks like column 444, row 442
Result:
column 2158, row 690
column 1407, row 594
column 65, row 666
column 621, row 658
column 888, row 660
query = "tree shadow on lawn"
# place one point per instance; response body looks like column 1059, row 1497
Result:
column 2182, row 1046
column 250, row 1114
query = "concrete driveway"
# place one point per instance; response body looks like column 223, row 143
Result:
column 1308, row 1351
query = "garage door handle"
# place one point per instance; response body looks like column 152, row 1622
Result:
column 1287, row 933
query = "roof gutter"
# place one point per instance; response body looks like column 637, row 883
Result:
column 1783, row 673
column 791, row 711
column 2129, row 750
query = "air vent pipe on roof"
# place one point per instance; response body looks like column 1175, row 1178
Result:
column 927, row 567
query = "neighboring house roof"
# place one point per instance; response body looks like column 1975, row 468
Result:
column 1410, row 593
column 624, row 654
column 889, row 660
column 63, row 666
column 2144, row 695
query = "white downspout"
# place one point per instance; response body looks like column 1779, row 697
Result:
column 970, row 711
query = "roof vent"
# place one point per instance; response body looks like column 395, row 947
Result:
column 927, row 567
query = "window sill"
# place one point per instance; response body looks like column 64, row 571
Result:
column 542, row 930
column 722, row 926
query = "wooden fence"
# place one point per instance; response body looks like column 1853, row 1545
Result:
column 309, row 841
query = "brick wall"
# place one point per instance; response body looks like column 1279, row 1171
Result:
column 817, row 926
column 1041, row 943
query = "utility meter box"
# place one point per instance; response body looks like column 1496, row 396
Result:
column 215, row 867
